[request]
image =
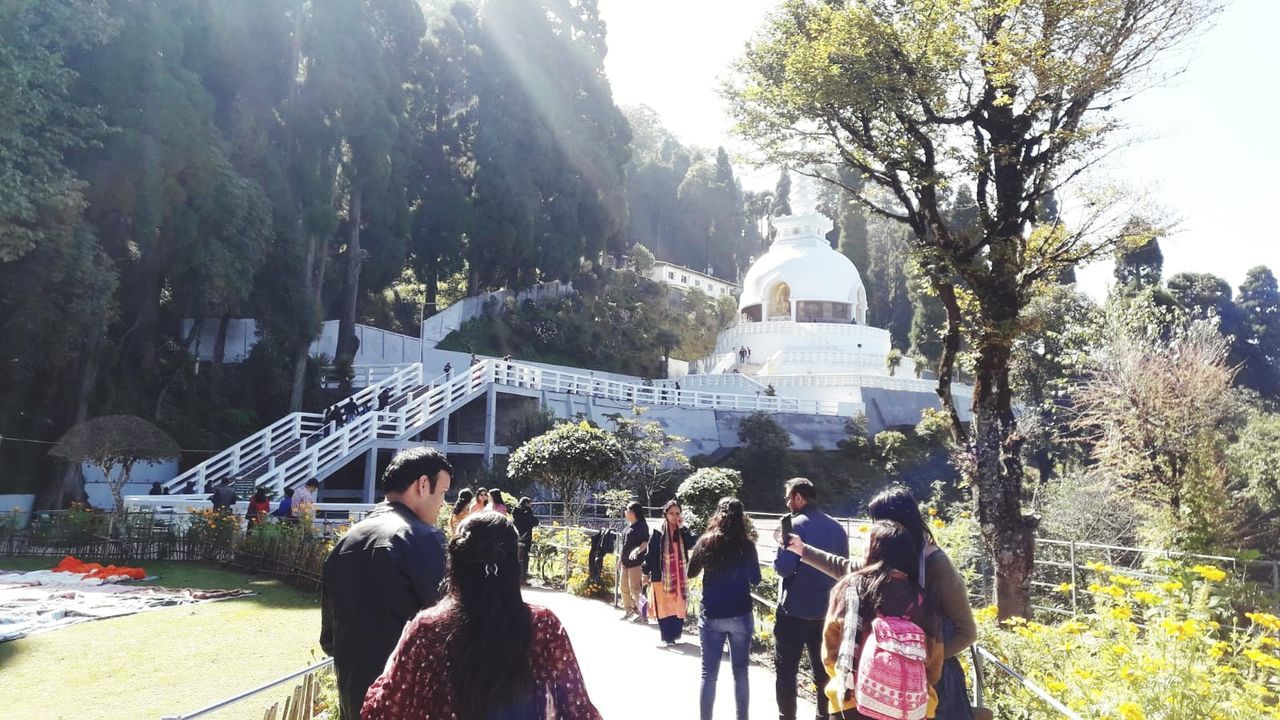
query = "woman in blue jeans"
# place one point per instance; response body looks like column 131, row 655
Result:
column 727, row 557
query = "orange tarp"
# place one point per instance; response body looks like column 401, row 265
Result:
column 70, row 564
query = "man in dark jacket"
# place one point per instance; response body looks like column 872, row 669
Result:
column 635, row 543
column 802, row 603
column 386, row 569
column 525, row 521
column 224, row 496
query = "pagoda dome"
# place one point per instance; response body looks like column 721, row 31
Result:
column 801, row 278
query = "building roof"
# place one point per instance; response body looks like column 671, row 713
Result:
column 802, row 258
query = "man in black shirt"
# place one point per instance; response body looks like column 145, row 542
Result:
column 634, row 546
column 525, row 521
column 382, row 572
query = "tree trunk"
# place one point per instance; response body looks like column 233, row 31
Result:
column 148, row 310
column 67, row 482
column 312, row 287
column 346, row 350
column 998, row 477
column 219, row 353
column 950, row 350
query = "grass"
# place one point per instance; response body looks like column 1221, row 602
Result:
column 162, row 662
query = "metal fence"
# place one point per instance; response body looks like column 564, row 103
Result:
column 300, row 695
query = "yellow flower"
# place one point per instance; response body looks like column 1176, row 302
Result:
column 1262, row 660
column 1128, row 673
column 987, row 613
column 933, row 512
column 1073, row 628
column 1130, row 711
column 1218, row 649
column 1055, row 687
column 1147, row 598
column 1170, row 586
column 1096, row 567
column 937, row 524
column 1065, row 588
column 1265, row 620
column 1120, row 612
column 1210, row 573
column 1180, row 630
column 1124, row 581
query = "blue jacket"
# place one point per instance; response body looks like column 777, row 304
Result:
column 804, row 588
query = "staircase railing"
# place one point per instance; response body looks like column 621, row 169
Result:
column 291, row 432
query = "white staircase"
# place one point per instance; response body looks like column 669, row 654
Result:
column 288, row 437
column 296, row 449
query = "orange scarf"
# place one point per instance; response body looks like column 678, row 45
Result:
column 674, row 580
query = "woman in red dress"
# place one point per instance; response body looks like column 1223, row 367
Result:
column 482, row 653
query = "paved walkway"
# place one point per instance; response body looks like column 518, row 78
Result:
column 603, row 643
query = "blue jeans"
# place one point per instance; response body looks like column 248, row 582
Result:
column 714, row 631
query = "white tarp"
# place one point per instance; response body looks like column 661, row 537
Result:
column 34, row 602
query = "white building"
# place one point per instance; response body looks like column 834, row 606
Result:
column 802, row 317
column 685, row 278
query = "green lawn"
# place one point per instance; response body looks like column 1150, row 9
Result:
column 162, row 662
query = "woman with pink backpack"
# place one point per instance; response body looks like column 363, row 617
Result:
column 882, row 641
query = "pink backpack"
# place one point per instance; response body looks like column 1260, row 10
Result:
column 892, row 683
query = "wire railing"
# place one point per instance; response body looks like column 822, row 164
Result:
column 299, row 702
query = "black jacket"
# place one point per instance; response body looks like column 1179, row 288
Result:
column 525, row 521
column 637, row 535
column 376, row 579
column 653, row 560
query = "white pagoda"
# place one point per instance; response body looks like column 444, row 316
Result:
column 802, row 318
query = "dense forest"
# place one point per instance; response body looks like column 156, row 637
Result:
column 299, row 161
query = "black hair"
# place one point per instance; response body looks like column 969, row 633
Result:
column 288, row 492
column 890, row 549
column 312, row 483
column 489, row 627
column 409, row 465
column 726, row 539
column 464, row 498
column 260, row 495
column 636, row 509
column 667, row 506
column 896, row 503
column 495, row 495
column 526, row 502
column 802, row 487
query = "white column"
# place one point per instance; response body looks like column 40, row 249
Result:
column 490, row 423
column 370, row 474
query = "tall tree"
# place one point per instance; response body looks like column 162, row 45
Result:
column 1259, row 307
column 1009, row 97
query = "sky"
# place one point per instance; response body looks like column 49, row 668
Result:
column 1208, row 151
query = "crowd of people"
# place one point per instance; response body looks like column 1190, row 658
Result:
column 428, row 626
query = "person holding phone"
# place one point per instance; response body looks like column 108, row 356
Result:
column 802, row 601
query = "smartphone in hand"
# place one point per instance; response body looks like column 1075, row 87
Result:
column 786, row 530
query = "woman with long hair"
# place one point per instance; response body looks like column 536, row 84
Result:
column 482, row 653
column 666, row 572
column 726, row 554
column 461, row 509
column 942, row 585
column 481, row 501
column 886, row 585
column 259, row 509
column 498, row 501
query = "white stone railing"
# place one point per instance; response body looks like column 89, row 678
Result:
column 865, row 363
column 864, row 380
column 731, row 339
column 294, row 431
column 318, row 454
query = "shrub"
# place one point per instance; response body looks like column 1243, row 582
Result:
column 701, row 491
column 1173, row 650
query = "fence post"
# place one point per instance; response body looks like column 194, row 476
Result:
column 567, row 557
column 1275, row 583
column 1074, row 608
